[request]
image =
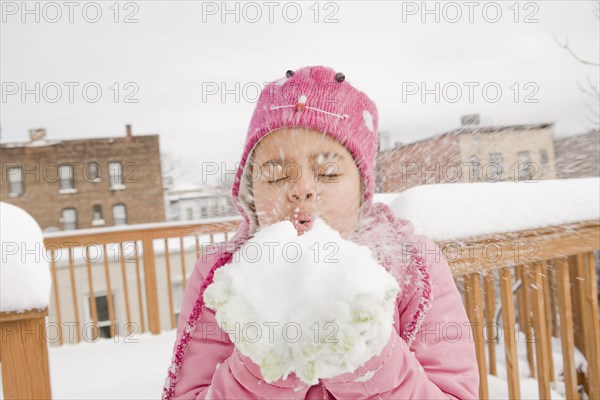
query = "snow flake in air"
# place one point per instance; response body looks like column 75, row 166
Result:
column 368, row 120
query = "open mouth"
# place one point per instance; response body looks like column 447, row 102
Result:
column 302, row 220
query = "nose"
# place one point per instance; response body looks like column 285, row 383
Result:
column 302, row 190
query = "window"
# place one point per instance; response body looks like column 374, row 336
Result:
column 474, row 169
column 495, row 170
column 103, row 315
column 189, row 213
column 69, row 218
column 119, row 214
column 215, row 207
column 66, row 177
column 93, row 172
column 115, row 172
column 15, row 181
column 97, row 211
column 526, row 168
column 97, row 218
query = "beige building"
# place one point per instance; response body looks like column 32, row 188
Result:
column 472, row 153
column 84, row 183
column 578, row 156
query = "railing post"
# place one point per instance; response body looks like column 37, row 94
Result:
column 508, row 325
column 563, row 284
column 151, row 286
column 475, row 312
column 24, row 356
column 541, row 333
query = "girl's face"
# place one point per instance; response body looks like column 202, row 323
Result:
column 298, row 174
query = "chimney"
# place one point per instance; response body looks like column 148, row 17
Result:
column 469, row 119
column 128, row 130
column 37, row 134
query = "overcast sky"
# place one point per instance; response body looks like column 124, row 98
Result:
column 176, row 50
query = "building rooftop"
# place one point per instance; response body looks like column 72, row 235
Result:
column 478, row 129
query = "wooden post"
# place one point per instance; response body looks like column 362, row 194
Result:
column 170, row 285
column 563, row 286
column 24, row 356
column 541, row 334
column 474, row 283
column 525, row 304
column 553, row 298
column 588, row 300
column 544, row 270
column 491, row 328
column 151, row 287
column 125, row 289
column 75, row 296
column 139, row 286
column 592, row 292
column 508, row 323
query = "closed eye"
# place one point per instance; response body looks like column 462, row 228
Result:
column 278, row 180
column 329, row 177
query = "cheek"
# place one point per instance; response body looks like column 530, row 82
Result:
column 268, row 200
column 341, row 198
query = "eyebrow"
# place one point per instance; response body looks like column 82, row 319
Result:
column 328, row 155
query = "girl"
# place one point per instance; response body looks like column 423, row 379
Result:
column 310, row 151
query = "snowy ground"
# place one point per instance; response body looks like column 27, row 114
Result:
column 109, row 370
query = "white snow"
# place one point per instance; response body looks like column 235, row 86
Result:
column 458, row 210
column 385, row 198
column 331, row 304
column 24, row 273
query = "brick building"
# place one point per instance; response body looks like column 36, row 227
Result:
column 471, row 153
column 84, row 183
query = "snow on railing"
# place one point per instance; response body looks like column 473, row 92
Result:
column 458, row 210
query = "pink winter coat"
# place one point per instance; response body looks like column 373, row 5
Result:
column 436, row 355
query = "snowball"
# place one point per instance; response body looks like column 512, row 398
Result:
column 313, row 304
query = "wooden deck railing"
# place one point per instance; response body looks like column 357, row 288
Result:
column 137, row 286
column 554, row 271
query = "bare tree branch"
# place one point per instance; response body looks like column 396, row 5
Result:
column 592, row 91
column 566, row 46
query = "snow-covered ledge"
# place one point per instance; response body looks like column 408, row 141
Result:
column 24, row 295
column 460, row 210
column 25, row 281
